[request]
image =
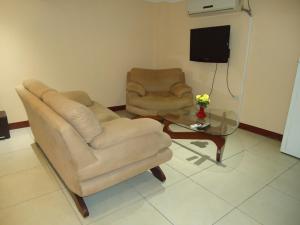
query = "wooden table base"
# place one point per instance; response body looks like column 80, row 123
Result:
column 218, row 140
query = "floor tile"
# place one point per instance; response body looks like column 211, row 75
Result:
column 16, row 161
column 183, row 142
column 289, row 182
column 107, row 201
column 270, row 149
column 209, row 148
column 254, row 165
column 271, row 207
column 25, row 185
column 248, row 139
column 188, row 203
column 20, row 139
column 146, row 183
column 229, row 184
column 174, row 146
column 51, row 209
column 204, row 147
column 139, row 213
column 188, row 162
column 236, row 217
column 233, row 146
column 31, row 193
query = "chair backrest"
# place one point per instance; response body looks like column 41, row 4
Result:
column 156, row 80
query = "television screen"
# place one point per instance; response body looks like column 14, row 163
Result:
column 210, row 44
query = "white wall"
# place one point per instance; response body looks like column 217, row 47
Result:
column 73, row 44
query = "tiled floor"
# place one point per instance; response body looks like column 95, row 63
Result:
column 255, row 184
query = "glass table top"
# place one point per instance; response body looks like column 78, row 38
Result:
column 221, row 122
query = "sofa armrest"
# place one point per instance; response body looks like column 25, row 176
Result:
column 179, row 89
column 79, row 96
column 123, row 129
column 136, row 87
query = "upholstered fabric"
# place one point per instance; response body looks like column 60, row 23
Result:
column 156, row 80
column 61, row 143
column 125, row 153
column 102, row 113
column 86, row 170
column 179, row 89
column 162, row 101
column 36, row 87
column 79, row 96
column 98, row 183
column 165, row 90
column 78, row 115
column 136, row 87
column 134, row 128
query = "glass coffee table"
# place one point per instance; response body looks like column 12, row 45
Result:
column 221, row 124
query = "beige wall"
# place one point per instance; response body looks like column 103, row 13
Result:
column 89, row 45
column 73, row 44
column 273, row 57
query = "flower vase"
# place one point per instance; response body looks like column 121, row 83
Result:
column 201, row 113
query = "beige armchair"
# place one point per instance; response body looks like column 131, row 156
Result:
column 152, row 92
column 91, row 147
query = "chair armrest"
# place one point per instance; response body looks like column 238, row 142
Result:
column 123, row 129
column 179, row 89
column 136, row 87
column 79, row 96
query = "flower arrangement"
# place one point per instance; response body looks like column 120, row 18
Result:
column 202, row 100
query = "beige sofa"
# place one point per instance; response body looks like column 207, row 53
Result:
column 153, row 92
column 91, row 147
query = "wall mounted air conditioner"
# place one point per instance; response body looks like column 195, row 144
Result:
column 199, row 7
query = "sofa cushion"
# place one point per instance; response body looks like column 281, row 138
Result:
column 36, row 87
column 79, row 96
column 161, row 101
column 102, row 113
column 124, row 154
column 122, row 129
column 78, row 115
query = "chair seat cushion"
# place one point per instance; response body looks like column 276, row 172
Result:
column 161, row 101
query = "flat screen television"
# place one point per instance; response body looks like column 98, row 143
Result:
column 210, row 44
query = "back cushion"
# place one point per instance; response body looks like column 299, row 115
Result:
column 78, row 115
column 36, row 87
column 156, row 80
column 79, row 96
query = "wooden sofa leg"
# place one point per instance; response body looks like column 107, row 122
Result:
column 81, row 206
column 158, row 173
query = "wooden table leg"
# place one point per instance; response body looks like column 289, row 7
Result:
column 218, row 140
column 158, row 173
column 80, row 204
